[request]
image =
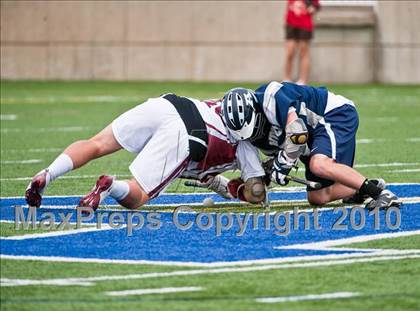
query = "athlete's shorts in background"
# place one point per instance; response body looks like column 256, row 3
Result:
column 293, row 33
column 155, row 131
column 334, row 137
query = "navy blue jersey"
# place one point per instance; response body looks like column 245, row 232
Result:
column 275, row 99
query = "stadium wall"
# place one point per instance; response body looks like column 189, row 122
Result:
column 203, row 41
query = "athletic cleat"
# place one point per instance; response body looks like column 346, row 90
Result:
column 385, row 200
column 357, row 198
column 33, row 193
column 99, row 192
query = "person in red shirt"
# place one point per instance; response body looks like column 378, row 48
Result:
column 299, row 32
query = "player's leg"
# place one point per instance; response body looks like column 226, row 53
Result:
column 291, row 46
column 128, row 193
column 333, row 148
column 346, row 180
column 74, row 156
column 83, row 151
column 304, row 61
column 347, row 183
column 163, row 154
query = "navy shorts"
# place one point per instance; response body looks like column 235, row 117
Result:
column 335, row 138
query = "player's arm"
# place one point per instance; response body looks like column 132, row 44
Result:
column 294, row 146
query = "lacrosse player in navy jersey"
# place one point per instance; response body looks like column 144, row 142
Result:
column 292, row 122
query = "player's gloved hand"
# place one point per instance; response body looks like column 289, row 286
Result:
column 219, row 184
column 281, row 168
column 236, row 188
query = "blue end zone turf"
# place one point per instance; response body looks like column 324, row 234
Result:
column 169, row 243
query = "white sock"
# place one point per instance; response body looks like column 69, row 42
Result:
column 61, row 165
column 119, row 190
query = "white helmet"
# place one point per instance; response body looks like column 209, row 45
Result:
column 238, row 111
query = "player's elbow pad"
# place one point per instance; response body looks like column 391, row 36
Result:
column 296, row 138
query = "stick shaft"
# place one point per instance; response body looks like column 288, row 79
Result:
column 194, row 183
column 312, row 184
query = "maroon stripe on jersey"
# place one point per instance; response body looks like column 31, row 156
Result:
column 174, row 174
column 219, row 152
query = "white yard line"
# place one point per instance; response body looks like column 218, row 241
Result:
column 64, row 129
column 118, row 208
column 148, row 291
column 25, row 282
column 414, row 170
column 327, row 245
column 369, row 140
column 62, row 177
column 361, row 254
column 386, row 164
column 152, row 275
column 36, row 150
column 70, row 99
column 30, row 161
column 381, row 140
column 336, row 295
column 8, row 117
column 57, row 233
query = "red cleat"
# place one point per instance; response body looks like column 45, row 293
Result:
column 33, row 193
column 98, row 193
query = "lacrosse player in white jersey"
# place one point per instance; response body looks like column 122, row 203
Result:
column 173, row 137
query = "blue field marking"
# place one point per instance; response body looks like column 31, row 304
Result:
column 170, row 244
column 194, row 245
column 404, row 190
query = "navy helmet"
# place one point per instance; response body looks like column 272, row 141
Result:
column 239, row 112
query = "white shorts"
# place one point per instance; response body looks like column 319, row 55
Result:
column 157, row 133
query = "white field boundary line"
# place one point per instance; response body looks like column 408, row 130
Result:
column 414, row 170
column 63, row 129
column 381, row 140
column 361, row 254
column 331, row 245
column 35, row 150
column 62, row 177
column 30, row 161
column 328, row 296
column 8, row 117
column 276, row 189
column 5, row 282
column 148, row 291
column 152, row 275
column 89, row 224
column 70, row 99
column 114, row 207
column 58, row 233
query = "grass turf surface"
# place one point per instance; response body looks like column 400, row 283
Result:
column 50, row 115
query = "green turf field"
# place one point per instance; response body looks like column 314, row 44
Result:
column 39, row 119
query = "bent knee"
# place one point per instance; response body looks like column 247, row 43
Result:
column 321, row 166
column 136, row 197
column 319, row 197
column 104, row 142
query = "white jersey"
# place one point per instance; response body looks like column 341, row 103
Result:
column 156, row 132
